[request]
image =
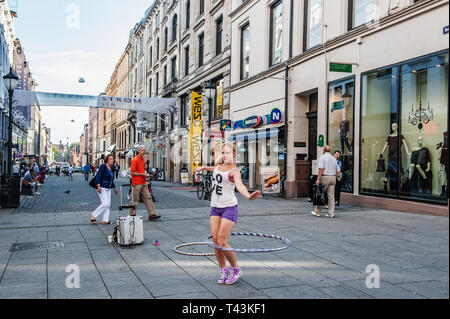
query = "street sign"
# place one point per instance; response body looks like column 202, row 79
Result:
column 340, row 67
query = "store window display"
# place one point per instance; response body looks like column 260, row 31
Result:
column 410, row 100
column 340, row 126
column 393, row 170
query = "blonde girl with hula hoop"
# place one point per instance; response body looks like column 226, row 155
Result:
column 224, row 209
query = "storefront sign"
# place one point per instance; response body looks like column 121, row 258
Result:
column 196, row 130
column 225, row 125
column 275, row 116
column 340, row 67
column 253, row 121
column 339, row 105
column 270, row 180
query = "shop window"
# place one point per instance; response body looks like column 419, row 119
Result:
column 341, row 127
column 404, row 139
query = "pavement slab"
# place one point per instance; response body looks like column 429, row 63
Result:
column 326, row 259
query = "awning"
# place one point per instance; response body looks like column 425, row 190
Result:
column 135, row 147
column 111, row 149
column 129, row 154
column 254, row 135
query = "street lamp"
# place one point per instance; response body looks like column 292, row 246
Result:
column 10, row 185
column 11, row 81
column 210, row 93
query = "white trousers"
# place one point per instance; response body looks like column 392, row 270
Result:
column 105, row 204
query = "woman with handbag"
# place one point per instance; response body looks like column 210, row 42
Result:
column 105, row 183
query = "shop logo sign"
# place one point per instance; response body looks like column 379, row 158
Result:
column 445, row 30
column 275, row 116
column 253, row 121
column 225, row 125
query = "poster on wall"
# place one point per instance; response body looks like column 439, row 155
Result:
column 184, row 176
column 270, row 180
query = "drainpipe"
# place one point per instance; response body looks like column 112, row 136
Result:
column 286, row 95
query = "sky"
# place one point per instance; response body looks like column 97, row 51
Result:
column 64, row 40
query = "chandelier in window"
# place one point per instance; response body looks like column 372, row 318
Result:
column 420, row 116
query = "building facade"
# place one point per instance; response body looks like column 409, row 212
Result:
column 185, row 46
column 343, row 73
column 7, row 37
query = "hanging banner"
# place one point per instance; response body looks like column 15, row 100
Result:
column 159, row 106
column 196, row 130
column 219, row 101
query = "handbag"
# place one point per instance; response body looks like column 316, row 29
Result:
column 380, row 164
column 319, row 195
column 92, row 182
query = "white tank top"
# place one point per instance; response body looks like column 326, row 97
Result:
column 223, row 189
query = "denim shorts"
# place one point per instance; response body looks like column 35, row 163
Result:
column 230, row 213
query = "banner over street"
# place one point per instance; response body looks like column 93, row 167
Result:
column 150, row 105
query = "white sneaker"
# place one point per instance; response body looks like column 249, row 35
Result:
column 37, row 193
column 329, row 216
column 315, row 214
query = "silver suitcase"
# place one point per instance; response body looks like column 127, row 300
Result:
column 129, row 230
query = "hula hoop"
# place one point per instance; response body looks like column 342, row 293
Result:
column 283, row 239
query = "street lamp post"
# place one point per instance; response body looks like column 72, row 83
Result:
column 10, row 185
column 210, row 93
column 11, row 81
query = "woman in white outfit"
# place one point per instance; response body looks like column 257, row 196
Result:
column 105, row 183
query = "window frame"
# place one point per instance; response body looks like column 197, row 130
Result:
column 244, row 28
column 306, row 26
column 201, row 49
column 271, row 33
column 219, row 35
column 186, row 60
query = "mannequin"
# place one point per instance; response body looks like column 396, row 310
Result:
column 444, row 163
column 393, row 166
column 344, row 128
column 420, row 169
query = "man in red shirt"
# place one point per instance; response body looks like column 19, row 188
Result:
column 140, row 189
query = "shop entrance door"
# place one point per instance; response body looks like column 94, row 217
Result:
column 312, row 127
column 312, row 135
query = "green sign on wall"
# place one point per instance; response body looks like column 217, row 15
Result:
column 340, row 67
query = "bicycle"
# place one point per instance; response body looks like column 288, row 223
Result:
column 204, row 187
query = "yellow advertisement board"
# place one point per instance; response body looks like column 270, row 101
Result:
column 220, row 98
column 196, row 130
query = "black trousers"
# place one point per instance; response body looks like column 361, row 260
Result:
column 337, row 192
